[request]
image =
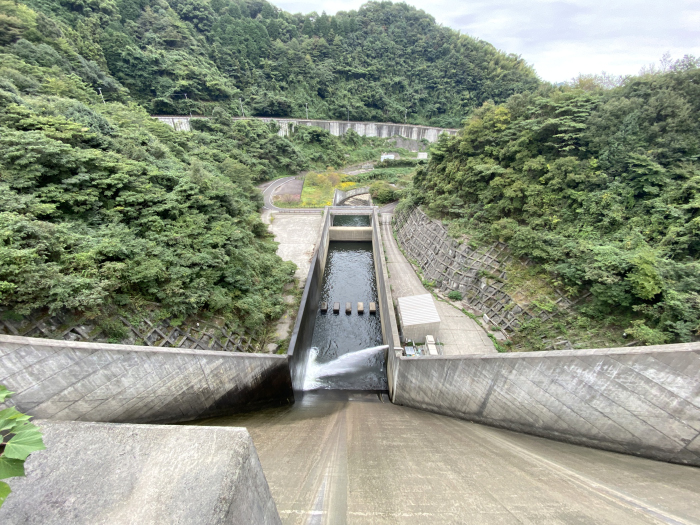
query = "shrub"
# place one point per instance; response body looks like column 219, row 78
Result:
column 454, row 295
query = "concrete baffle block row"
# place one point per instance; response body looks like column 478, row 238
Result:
column 155, row 474
column 348, row 308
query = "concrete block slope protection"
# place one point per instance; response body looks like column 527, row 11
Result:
column 66, row 380
column 101, row 473
column 642, row 401
column 334, row 127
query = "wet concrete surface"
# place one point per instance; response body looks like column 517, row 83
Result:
column 350, row 457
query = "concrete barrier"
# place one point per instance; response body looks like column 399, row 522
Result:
column 340, row 196
column 350, row 233
column 94, row 473
column 334, row 127
column 643, row 401
column 136, row 384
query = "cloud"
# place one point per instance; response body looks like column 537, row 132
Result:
column 562, row 38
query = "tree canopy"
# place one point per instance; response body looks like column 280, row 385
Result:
column 384, row 62
column 601, row 187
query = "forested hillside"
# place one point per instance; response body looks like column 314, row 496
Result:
column 600, row 187
column 385, row 62
column 104, row 208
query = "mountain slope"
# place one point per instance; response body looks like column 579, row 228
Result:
column 384, row 62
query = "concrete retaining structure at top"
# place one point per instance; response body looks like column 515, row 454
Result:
column 643, row 401
column 64, row 380
column 340, row 196
column 334, row 127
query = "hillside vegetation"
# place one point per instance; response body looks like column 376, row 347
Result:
column 104, row 208
column 600, row 187
column 384, row 62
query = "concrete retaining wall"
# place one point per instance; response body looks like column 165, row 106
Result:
column 94, row 473
column 119, row 383
column 334, row 127
column 302, row 334
column 455, row 266
column 339, row 196
column 643, row 401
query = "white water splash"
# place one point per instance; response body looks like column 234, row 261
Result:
column 345, row 364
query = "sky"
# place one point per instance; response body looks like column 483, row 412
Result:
column 561, row 38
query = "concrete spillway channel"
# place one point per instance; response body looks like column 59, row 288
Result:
column 343, row 453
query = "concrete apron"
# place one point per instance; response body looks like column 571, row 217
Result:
column 353, row 457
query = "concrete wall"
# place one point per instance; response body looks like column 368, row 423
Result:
column 339, row 195
column 94, row 473
column 302, row 334
column 119, row 383
column 643, row 401
column 350, row 233
column 390, row 329
column 335, row 127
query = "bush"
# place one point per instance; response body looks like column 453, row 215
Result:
column 454, row 295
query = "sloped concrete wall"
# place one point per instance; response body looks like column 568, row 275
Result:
column 643, row 401
column 134, row 384
column 94, row 473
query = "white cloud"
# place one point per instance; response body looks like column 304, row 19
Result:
column 562, row 38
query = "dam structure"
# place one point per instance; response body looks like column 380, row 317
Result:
column 334, row 127
column 347, row 428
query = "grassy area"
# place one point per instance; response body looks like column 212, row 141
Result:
column 318, row 190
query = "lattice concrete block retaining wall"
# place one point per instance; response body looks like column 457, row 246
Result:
column 643, row 401
column 135, row 384
column 455, row 266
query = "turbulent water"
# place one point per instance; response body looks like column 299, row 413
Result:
column 356, row 370
column 351, row 220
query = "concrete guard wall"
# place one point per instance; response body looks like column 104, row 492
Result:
column 334, row 127
column 643, row 401
column 339, row 196
column 124, row 474
column 77, row 381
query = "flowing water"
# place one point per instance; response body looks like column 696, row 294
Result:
column 344, row 348
column 351, row 220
